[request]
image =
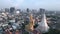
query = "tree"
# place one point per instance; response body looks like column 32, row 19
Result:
column 53, row 31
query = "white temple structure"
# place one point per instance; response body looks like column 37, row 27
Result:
column 43, row 26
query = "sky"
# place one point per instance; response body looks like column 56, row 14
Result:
column 32, row 4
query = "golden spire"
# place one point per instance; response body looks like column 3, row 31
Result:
column 30, row 27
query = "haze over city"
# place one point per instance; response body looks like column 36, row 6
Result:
column 32, row 4
column 29, row 16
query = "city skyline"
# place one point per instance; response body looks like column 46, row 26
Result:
column 32, row 4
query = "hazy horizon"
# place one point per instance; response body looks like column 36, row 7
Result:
column 32, row 4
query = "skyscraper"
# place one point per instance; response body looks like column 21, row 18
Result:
column 27, row 10
column 41, row 10
column 7, row 9
column 12, row 9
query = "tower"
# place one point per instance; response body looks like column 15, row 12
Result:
column 43, row 26
column 30, row 26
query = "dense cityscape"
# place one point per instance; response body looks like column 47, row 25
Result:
column 17, row 21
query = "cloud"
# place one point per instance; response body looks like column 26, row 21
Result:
column 17, row 2
column 9, row 3
column 47, row 4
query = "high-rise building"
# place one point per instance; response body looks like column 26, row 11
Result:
column 6, row 9
column 18, row 9
column 27, row 10
column 41, row 10
column 12, row 9
column 26, row 20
